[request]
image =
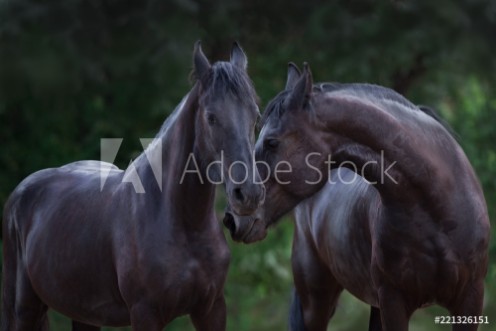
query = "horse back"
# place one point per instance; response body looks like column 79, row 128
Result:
column 48, row 190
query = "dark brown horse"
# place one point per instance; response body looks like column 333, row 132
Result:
column 117, row 255
column 410, row 231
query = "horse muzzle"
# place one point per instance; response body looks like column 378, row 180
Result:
column 247, row 229
column 245, row 199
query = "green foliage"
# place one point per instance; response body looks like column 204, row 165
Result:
column 76, row 71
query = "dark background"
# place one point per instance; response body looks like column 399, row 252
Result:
column 75, row 71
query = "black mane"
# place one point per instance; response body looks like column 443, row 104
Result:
column 367, row 89
column 276, row 105
column 228, row 78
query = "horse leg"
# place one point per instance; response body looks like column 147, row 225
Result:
column 78, row 326
column 470, row 305
column 22, row 309
column 394, row 309
column 318, row 304
column 8, row 281
column 317, row 291
column 30, row 311
column 375, row 323
column 214, row 319
column 145, row 318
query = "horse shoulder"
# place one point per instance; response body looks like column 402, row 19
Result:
column 336, row 222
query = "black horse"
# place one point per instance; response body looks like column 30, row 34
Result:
column 410, row 231
column 116, row 255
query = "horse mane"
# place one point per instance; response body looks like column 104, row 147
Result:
column 435, row 115
column 225, row 77
column 380, row 92
column 276, row 105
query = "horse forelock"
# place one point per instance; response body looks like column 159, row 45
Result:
column 226, row 78
column 275, row 108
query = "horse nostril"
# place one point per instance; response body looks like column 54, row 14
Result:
column 229, row 223
column 261, row 196
column 238, row 194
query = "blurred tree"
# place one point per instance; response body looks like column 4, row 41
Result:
column 76, row 71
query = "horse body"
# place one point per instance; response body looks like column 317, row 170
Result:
column 333, row 239
column 425, row 204
column 112, row 255
column 429, row 242
column 114, row 248
column 419, row 237
column 57, row 254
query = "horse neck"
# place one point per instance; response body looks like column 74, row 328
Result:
column 375, row 141
column 187, row 197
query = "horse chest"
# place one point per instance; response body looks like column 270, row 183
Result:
column 181, row 277
column 204, row 270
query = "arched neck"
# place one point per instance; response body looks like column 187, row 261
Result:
column 390, row 153
column 172, row 169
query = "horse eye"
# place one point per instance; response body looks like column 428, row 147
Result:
column 271, row 143
column 211, row 119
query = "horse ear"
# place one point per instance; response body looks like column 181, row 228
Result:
column 201, row 64
column 238, row 57
column 302, row 90
column 293, row 75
